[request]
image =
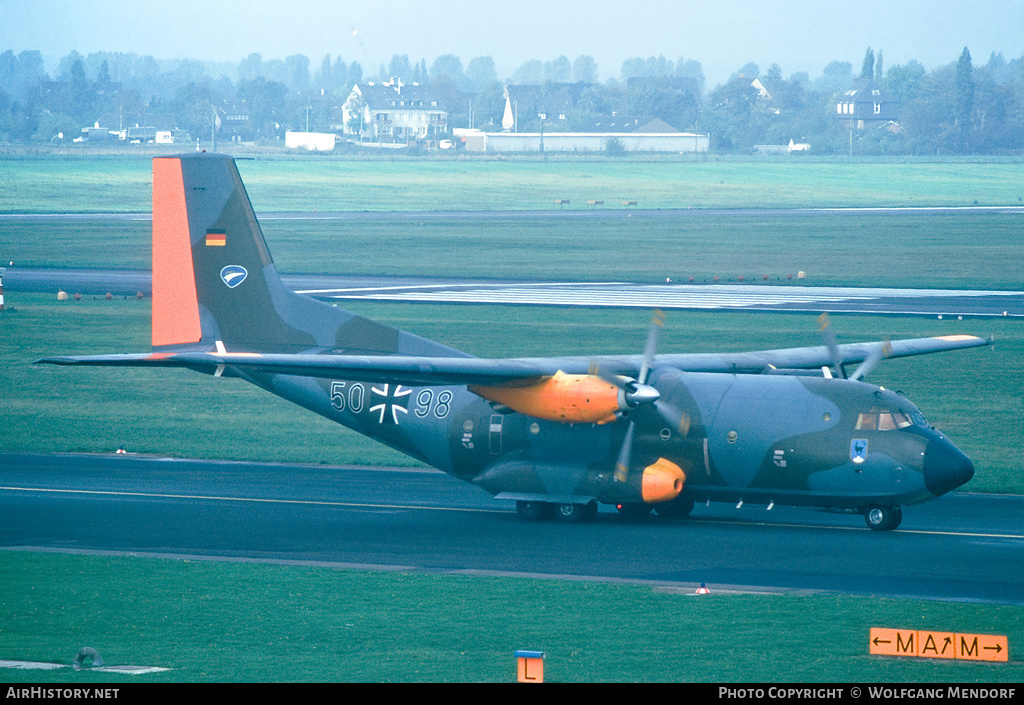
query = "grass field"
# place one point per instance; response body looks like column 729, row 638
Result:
column 122, row 183
column 317, row 624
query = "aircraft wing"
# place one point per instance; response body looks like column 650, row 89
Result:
column 398, row 369
column 814, row 357
column 421, row 371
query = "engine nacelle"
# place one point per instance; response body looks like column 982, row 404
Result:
column 525, row 479
column 662, row 481
column 562, row 397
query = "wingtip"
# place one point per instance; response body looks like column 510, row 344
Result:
column 49, row 361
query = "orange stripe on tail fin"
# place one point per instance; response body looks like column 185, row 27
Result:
column 175, row 306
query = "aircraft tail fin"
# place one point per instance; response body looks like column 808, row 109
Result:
column 214, row 280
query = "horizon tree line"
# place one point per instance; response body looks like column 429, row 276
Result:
column 955, row 108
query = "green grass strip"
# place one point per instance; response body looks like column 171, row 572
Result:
column 235, row 622
column 122, row 183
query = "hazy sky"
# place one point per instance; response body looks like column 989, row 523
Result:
column 799, row 35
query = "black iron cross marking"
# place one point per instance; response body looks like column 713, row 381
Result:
column 391, row 402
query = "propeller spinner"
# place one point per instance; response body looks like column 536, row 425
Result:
column 638, row 392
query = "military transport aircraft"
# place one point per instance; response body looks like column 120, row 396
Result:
column 558, row 435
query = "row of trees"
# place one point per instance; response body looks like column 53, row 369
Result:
column 955, row 108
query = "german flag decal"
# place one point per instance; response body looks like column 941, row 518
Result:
column 216, row 238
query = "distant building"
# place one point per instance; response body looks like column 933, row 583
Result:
column 141, row 134
column 864, row 104
column 582, row 142
column 310, row 141
column 550, row 103
column 97, row 134
column 791, row 148
column 761, row 90
column 234, row 123
column 394, row 112
column 626, row 124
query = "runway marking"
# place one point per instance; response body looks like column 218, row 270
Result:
column 32, row 665
column 158, row 495
column 38, row 665
column 452, row 285
column 926, row 532
column 684, row 296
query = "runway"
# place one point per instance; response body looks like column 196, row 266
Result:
column 734, row 297
column 958, row 547
column 783, row 296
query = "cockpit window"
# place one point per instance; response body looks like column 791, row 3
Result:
column 919, row 419
column 867, row 422
column 881, row 419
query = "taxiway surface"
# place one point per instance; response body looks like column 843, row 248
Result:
column 958, row 547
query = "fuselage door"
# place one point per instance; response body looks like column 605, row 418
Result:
column 495, row 433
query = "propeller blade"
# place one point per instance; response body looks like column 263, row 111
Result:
column 609, row 377
column 825, row 326
column 877, row 353
column 657, row 323
column 637, row 391
column 622, row 464
column 677, row 420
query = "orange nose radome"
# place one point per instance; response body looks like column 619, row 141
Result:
column 662, row 482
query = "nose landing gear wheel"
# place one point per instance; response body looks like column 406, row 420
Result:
column 883, row 518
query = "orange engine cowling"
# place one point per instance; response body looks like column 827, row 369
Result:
column 662, row 482
column 561, row 397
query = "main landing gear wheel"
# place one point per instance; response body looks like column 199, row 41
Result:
column 883, row 518
column 574, row 513
column 676, row 509
column 535, row 511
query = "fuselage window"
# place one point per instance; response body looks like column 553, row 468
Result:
column 901, row 419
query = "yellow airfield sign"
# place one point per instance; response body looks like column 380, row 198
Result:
column 923, row 644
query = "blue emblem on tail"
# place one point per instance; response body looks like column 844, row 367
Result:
column 233, row 275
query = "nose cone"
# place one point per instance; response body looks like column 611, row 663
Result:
column 945, row 467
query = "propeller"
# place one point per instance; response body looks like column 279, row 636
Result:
column 825, row 326
column 637, row 392
column 878, row 351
